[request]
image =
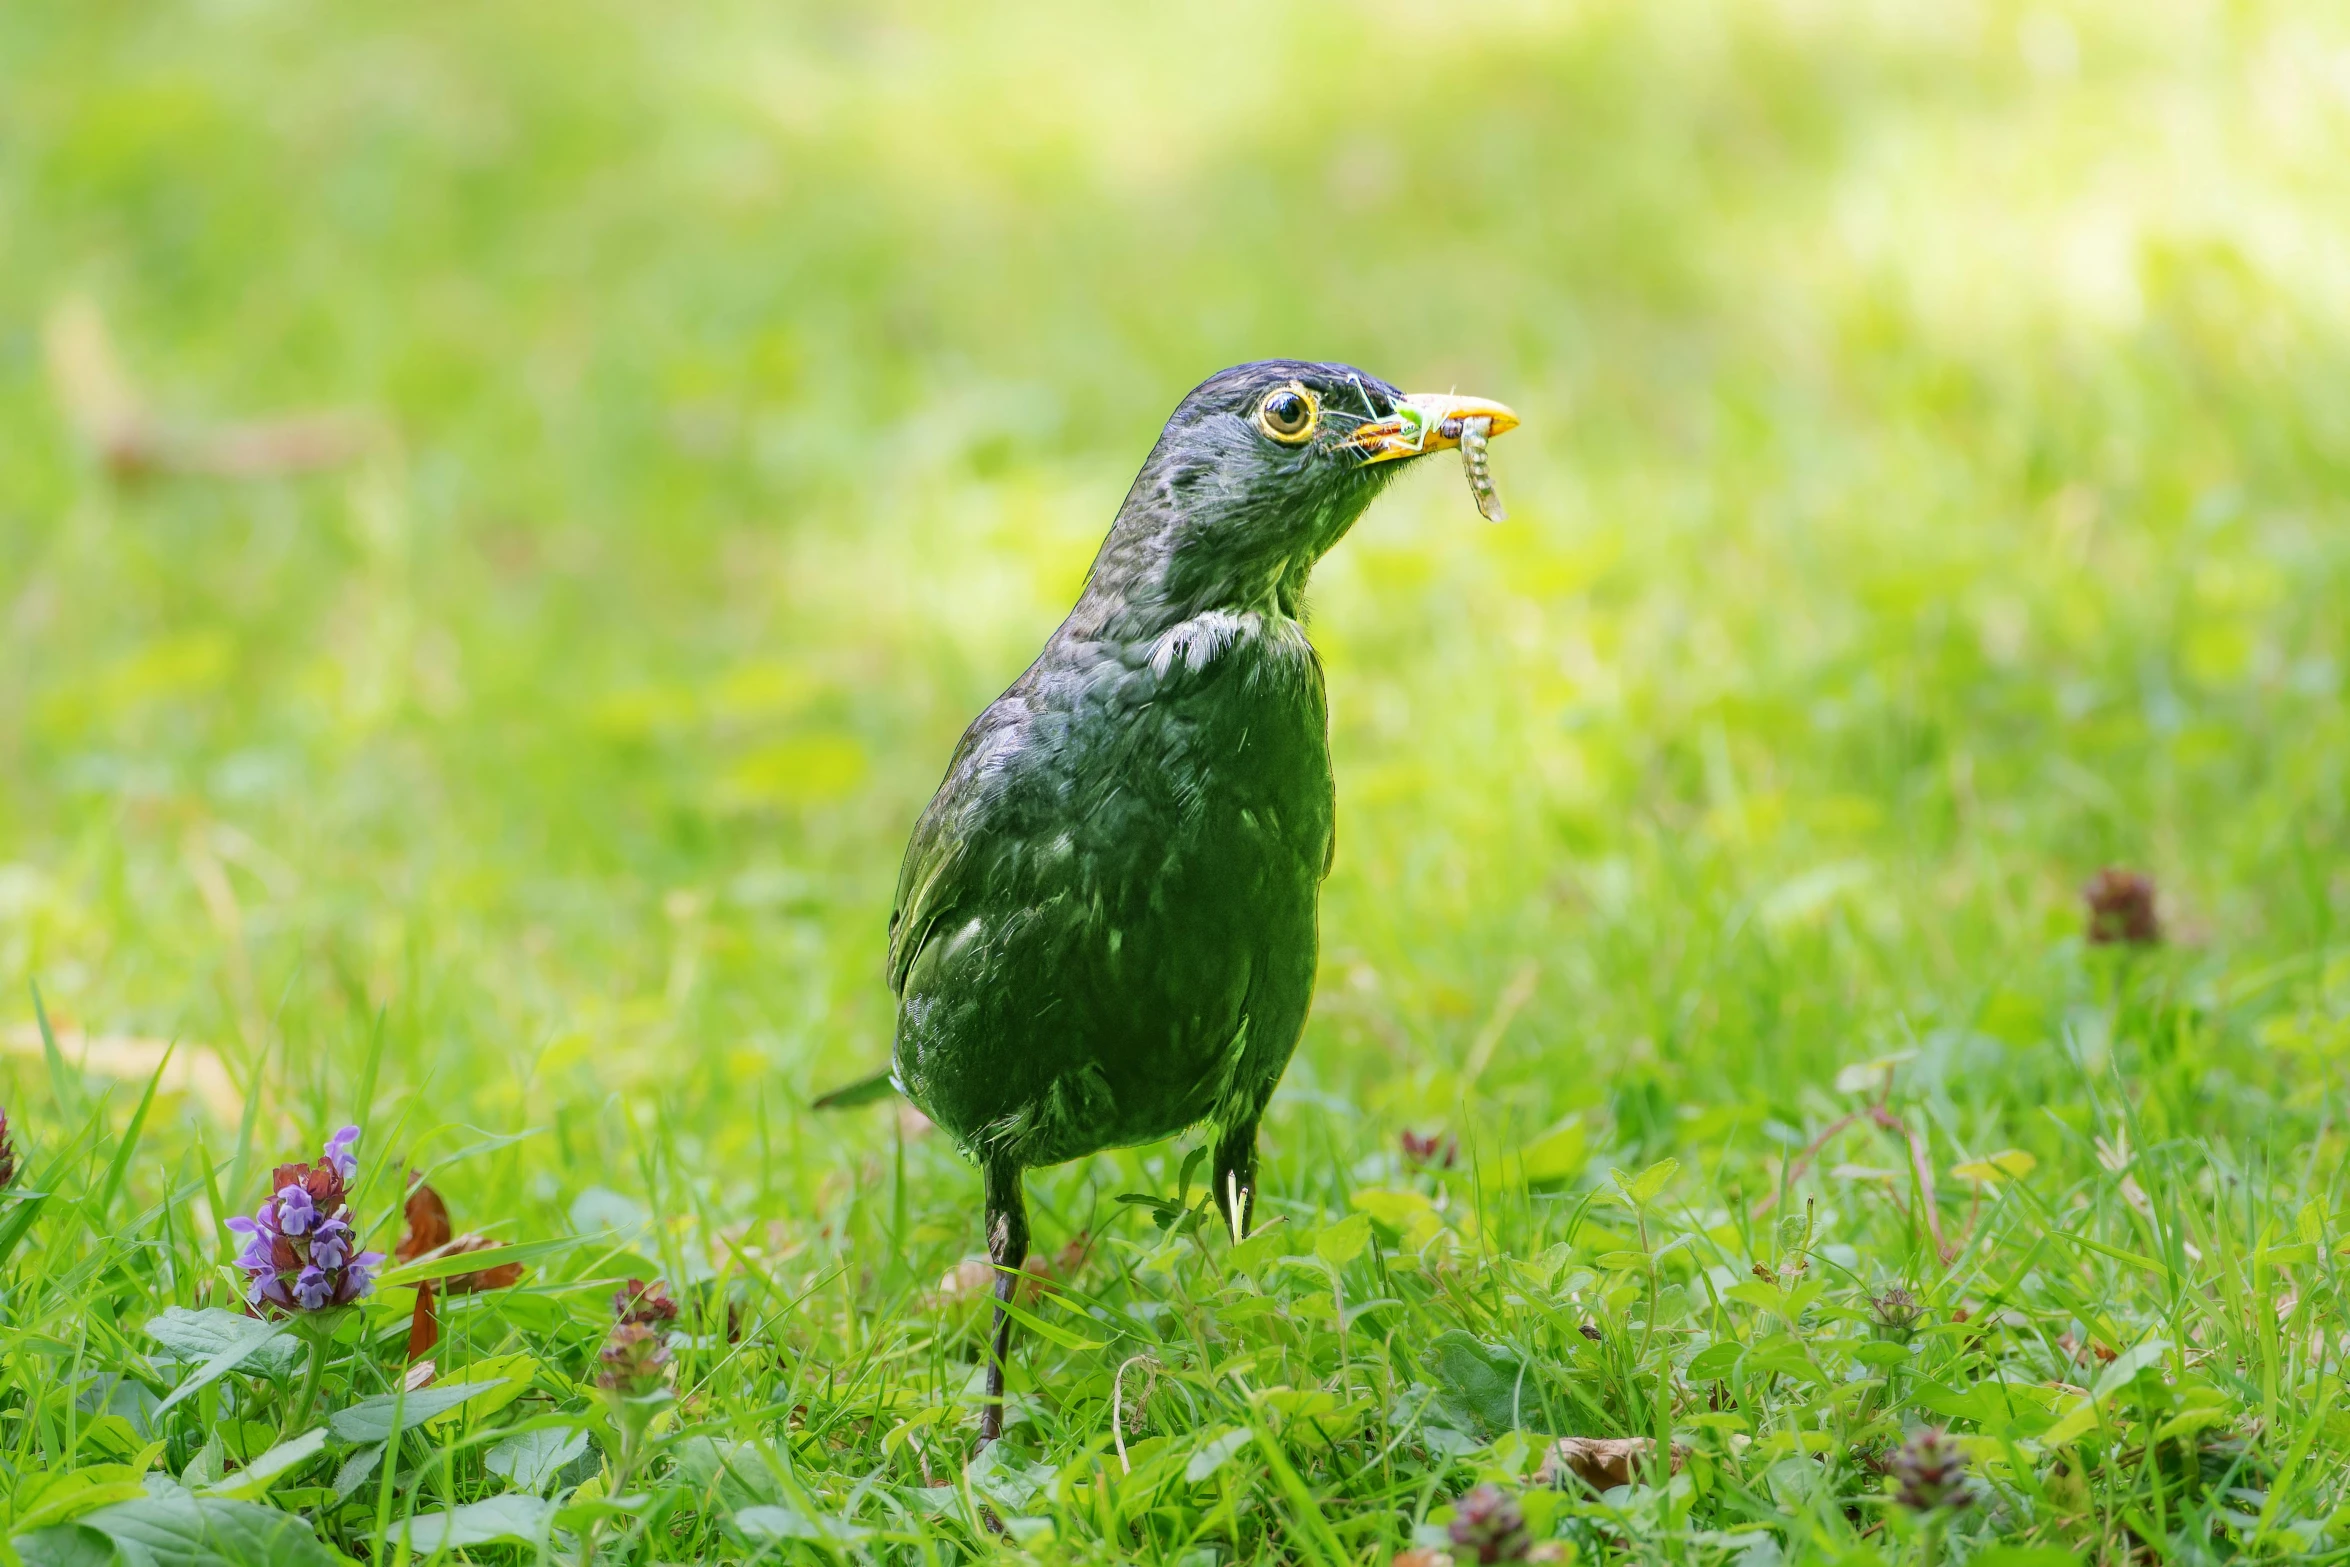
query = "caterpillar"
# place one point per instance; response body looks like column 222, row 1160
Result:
column 1473, row 434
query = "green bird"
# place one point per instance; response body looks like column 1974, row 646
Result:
column 1106, row 925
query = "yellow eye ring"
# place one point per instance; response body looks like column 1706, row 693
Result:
column 1289, row 414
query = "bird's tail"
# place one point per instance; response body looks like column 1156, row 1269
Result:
column 864, row 1091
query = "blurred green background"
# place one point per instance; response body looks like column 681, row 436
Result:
column 1933, row 487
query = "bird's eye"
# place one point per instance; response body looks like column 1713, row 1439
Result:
column 1287, row 414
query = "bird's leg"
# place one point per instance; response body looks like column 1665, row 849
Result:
column 1235, row 1176
column 1007, row 1248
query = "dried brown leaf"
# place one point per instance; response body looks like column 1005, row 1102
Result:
column 504, row 1276
column 428, row 1234
column 428, row 1222
column 1602, row 1462
column 424, row 1324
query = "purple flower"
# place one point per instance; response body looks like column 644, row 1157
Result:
column 636, row 1361
column 295, row 1211
column 359, row 1277
column 339, row 1155
column 1489, row 1522
column 259, row 1244
column 1931, row 1471
column 313, row 1289
column 297, row 1247
column 330, row 1246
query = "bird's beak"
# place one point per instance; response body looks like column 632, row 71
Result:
column 1425, row 422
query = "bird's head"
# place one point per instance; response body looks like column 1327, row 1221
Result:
column 1259, row 472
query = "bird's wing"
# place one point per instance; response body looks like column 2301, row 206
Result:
column 926, row 890
column 937, row 861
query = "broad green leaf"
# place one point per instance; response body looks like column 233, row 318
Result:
column 207, row 1466
column 45, row 1500
column 111, row 1436
column 2076, row 1421
column 1310, row 1414
column 257, row 1476
column 1409, row 1214
column 511, row 1519
column 355, row 1470
column 738, row 1474
column 256, row 1336
column 777, row 1522
column 1557, row 1155
column 511, row 1376
column 40, row 1485
column 1715, row 1361
column 1214, row 1452
column 180, row 1530
column 370, row 1420
column 1788, row 1360
column 1642, row 1189
column 1341, row 1243
column 532, row 1459
column 66, row 1545
column 905, row 1430
column 1000, row 1476
column 1265, row 1242
column 2192, row 1420
column 1485, row 1386
column 1715, row 1420
column 2009, row 1164
column 2126, row 1366
column 199, row 1335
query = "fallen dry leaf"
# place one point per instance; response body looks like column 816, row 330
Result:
column 428, row 1221
column 1601, row 1462
column 424, row 1325
column 427, row 1235
column 504, row 1276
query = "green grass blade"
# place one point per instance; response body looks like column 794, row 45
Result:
column 119, row 1166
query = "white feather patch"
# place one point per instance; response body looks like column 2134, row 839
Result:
column 1198, row 640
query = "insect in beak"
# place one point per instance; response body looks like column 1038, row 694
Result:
column 1429, row 422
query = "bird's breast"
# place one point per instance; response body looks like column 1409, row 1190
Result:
column 1233, row 734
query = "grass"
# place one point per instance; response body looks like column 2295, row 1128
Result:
column 1932, row 490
